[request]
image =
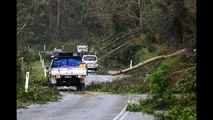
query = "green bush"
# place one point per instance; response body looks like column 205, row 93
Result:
column 186, row 83
column 162, row 87
column 19, row 74
column 29, row 57
column 179, row 112
column 145, row 54
column 159, row 85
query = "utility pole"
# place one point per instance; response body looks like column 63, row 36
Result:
column 140, row 15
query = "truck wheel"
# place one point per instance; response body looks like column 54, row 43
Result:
column 81, row 87
column 49, row 84
column 78, row 88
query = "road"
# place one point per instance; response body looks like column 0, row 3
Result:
column 86, row 105
column 101, row 78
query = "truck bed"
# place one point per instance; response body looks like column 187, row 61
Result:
column 69, row 71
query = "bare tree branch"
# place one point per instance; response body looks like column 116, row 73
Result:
column 21, row 28
column 112, row 51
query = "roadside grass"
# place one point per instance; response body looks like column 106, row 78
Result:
column 38, row 92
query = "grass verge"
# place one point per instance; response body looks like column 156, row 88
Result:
column 37, row 92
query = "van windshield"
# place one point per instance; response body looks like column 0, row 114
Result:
column 90, row 58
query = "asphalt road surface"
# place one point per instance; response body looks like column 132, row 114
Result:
column 76, row 105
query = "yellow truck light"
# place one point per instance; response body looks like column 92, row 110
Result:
column 82, row 66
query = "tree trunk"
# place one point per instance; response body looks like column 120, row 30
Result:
column 180, row 52
column 58, row 21
column 139, row 11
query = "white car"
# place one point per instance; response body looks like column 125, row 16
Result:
column 91, row 61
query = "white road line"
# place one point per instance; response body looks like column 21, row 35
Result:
column 125, row 114
column 122, row 115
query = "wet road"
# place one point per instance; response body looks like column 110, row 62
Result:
column 76, row 105
column 73, row 106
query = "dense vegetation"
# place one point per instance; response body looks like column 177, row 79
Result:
column 38, row 92
column 119, row 31
column 60, row 21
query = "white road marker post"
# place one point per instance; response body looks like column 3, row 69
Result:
column 43, row 63
column 27, row 81
column 28, row 47
column 40, row 57
column 130, row 64
column 45, row 72
column 44, row 47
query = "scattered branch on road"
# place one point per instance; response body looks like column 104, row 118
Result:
column 180, row 52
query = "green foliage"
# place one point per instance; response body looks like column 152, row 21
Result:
column 37, row 91
column 132, row 107
column 162, row 88
column 159, row 85
column 29, row 56
column 132, row 84
column 190, row 6
column 127, row 54
column 19, row 74
column 182, row 85
column 32, row 23
column 37, row 21
column 70, row 45
column 144, row 106
column 46, row 57
column 145, row 54
column 36, row 94
column 165, row 22
column 179, row 112
column 111, row 64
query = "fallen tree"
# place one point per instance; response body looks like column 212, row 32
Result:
column 180, row 52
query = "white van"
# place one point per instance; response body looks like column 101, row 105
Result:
column 91, row 61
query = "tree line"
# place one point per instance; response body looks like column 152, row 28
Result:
column 48, row 21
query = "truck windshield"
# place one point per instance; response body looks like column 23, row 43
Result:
column 66, row 62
